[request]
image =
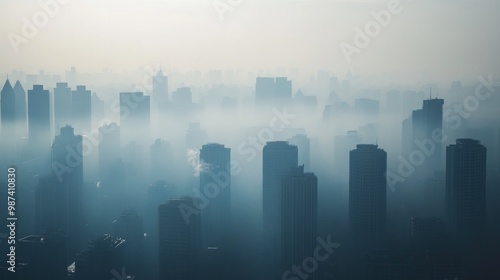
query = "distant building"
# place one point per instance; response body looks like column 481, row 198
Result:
column 466, row 186
column 273, row 91
column 367, row 194
column 8, row 116
column 161, row 160
column 21, row 114
column 180, row 240
column 39, row 120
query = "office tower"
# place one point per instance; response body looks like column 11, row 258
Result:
column 8, row 115
column 367, row 194
column 81, row 109
column 161, row 160
column 343, row 144
column 134, row 117
column 44, row 256
column 273, row 91
column 182, row 100
column 62, row 106
column 67, row 167
column 215, row 183
column 466, row 186
column 39, row 120
column 109, row 151
column 160, row 91
column 180, row 240
column 129, row 226
column 21, row 115
column 303, row 144
column 102, row 256
column 299, row 220
column 279, row 160
column 426, row 123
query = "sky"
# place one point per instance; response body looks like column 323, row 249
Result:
column 449, row 39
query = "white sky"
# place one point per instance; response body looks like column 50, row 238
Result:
column 446, row 38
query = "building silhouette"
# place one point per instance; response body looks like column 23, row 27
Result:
column 160, row 91
column 179, row 240
column 8, row 116
column 299, row 220
column 39, row 121
column 466, row 186
column 280, row 159
column 129, row 227
column 215, row 182
column 160, row 160
column 367, row 194
column 426, row 122
column 273, row 91
column 81, row 109
column 109, row 153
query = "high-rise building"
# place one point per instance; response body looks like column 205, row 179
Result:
column 215, row 182
column 426, row 232
column 303, row 144
column 39, row 120
column 160, row 91
column 299, row 220
column 81, row 109
column 98, row 110
column 466, row 186
column 280, row 159
column 367, row 194
column 426, row 123
column 102, row 256
column 67, row 167
column 8, row 113
column 62, row 106
column 180, row 240
column 134, row 117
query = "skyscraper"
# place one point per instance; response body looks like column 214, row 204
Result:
column 367, row 194
column 8, row 113
column 279, row 161
column 160, row 90
column 39, row 120
column 426, row 123
column 81, row 109
column 161, row 159
column 215, row 182
column 109, row 151
column 62, row 106
column 466, row 186
column 134, row 117
column 300, row 205
column 180, row 240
